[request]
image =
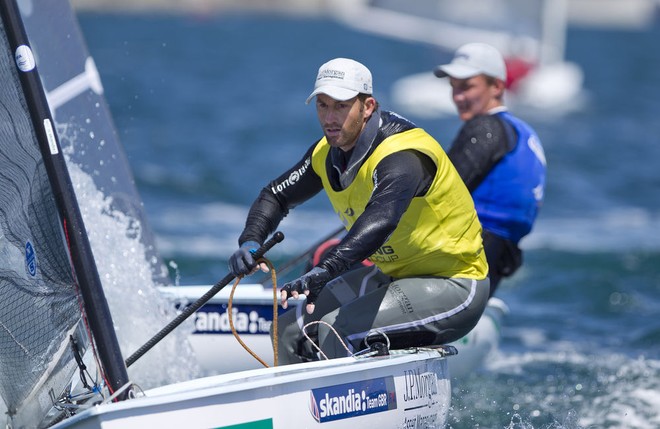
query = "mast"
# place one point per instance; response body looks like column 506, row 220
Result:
column 86, row 273
column 553, row 37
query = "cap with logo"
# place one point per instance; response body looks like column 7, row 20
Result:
column 472, row 60
column 342, row 79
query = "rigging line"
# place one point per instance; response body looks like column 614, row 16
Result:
column 79, row 360
column 119, row 391
column 371, row 350
column 83, row 314
column 81, row 254
column 321, row 322
column 230, row 313
column 275, row 318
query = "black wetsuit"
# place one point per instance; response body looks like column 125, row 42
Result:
column 413, row 311
column 402, row 176
column 481, row 143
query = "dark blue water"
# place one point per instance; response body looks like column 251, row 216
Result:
column 209, row 109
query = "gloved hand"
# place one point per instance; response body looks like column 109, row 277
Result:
column 242, row 261
column 310, row 284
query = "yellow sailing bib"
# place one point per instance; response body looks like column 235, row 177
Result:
column 439, row 235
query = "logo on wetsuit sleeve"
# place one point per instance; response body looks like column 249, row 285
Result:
column 293, row 177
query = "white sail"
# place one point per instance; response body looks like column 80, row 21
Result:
column 40, row 308
column 84, row 124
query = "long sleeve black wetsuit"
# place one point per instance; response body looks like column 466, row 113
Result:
column 401, row 176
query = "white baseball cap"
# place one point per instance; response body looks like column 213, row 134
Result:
column 474, row 59
column 342, row 79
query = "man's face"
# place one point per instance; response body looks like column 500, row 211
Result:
column 476, row 95
column 343, row 121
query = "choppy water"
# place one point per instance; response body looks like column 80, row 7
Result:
column 209, row 108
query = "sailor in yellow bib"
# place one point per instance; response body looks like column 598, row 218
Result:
column 438, row 235
column 405, row 208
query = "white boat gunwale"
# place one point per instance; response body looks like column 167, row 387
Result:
column 278, row 384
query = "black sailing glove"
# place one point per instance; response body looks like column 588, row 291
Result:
column 242, row 262
column 310, row 284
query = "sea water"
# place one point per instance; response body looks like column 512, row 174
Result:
column 211, row 107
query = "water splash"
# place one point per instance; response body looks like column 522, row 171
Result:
column 139, row 311
column 559, row 390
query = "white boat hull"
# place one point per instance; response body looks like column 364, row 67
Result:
column 253, row 314
column 551, row 89
column 396, row 391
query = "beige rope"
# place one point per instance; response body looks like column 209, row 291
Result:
column 275, row 308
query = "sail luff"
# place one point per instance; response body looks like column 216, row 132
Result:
column 95, row 304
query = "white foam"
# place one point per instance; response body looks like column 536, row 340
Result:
column 138, row 310
column 599, row 389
